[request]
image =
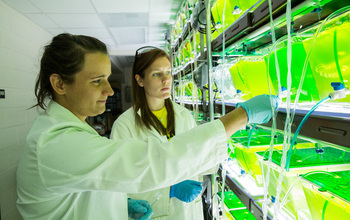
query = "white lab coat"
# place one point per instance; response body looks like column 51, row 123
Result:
column 165, row 208
column 68, row 171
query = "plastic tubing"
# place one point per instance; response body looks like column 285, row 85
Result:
column 309, row 52
column 298, row 179
column 250, row 135
column 223, row 110
column 196, row 95
column 299, row 128
column 324, row 209
column 215, row 207
column 287, row 128
column 335, row 52
column 224, row 173
column 266, row 178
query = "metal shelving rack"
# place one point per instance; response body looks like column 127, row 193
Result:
column 251, row 32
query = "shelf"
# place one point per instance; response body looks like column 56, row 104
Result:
column 245, row 198
column 190, row 65
column 185, row 32
column 253, row 30
column 331, row 127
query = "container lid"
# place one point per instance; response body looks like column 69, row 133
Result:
column 231, row 200
column 307, row 157
column 338, row 183
column 262, row 138
column 242, row 214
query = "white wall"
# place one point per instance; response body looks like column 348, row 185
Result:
column 21, row 42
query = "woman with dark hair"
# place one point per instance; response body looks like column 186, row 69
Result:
column 68, row 171
column 154, row 114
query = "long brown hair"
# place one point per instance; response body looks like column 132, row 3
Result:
column 65, row 55
column 139, row 101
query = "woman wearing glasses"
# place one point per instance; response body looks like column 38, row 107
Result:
column 154, row 114
column 68, row 171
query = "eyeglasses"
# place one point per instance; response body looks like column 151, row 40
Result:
column 142, row 50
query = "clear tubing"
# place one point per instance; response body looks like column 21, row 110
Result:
column 299, row 128
column 324, row 209
column 223, row 110
column 209, row 60
column 194, row 87
column 215, row 206
column 336, row 56
column 250, row 135
column 287, row 129
column 288, row 191
column 224, row 173
column 297, row 180
column 181, row 85
column 232, row 148
column 196, row 110
column 266, row 179
column 210, row 80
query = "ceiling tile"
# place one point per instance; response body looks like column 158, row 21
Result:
column 157, row 31
column 121, row 6
column 77, row 20
column 125, row 19
column 23, row 6
column 129, row 35
column 55, row 31
column 165, row 18
column 64, row 6
column 94, row 32
column 156, row 36
column 42, row 20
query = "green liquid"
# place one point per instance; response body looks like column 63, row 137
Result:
column 249, row 75
column 231, row 200
column 309, row 91
column 330, row 59
column 302, row 161
column 247, row 158
column 338, row 184
column 242, row 214
column 232, row 13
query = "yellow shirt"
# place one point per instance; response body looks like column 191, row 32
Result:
column 162, row 116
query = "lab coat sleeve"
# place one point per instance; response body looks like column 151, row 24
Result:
column 71, row 159
column 193, row 124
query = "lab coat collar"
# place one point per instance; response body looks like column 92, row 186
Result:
column 56, row 110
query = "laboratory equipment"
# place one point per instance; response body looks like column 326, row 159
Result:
column 328, row 194
column 302, row 161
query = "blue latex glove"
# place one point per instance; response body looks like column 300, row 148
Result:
column 139, row 209
column 186, row 191
column 259, row 108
